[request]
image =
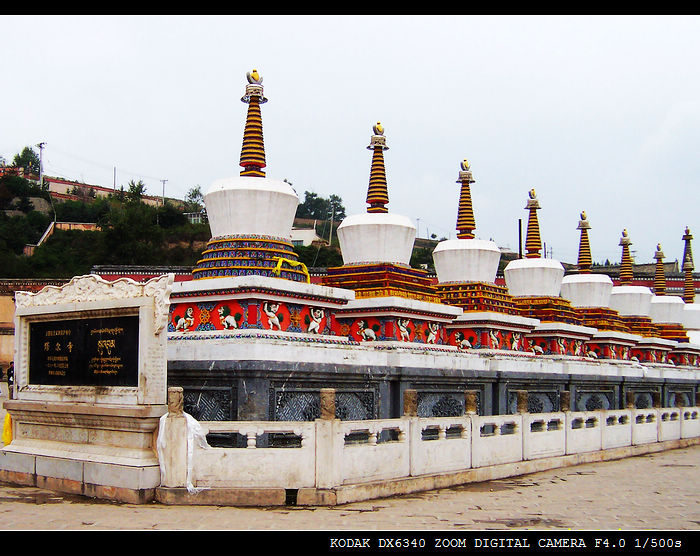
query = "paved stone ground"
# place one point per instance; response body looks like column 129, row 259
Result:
column 657, row 491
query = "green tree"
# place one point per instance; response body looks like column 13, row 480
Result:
column 29, row 160
column 194, row 200
column 319, row 208
column 136, row 191
column 132, row 235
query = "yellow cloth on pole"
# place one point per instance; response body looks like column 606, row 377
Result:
column 7, row 430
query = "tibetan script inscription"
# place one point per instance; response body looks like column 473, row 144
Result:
column 85, row 352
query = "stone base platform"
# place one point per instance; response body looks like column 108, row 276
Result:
column 98, row 451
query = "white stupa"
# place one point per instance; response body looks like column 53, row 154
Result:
column 627, row 299
column 376, row 248
column 377, row 236
column 664, row 309
column 466, row 269
column 691, row 311
column 586, row 289
column 534, row 276
column 466, row 259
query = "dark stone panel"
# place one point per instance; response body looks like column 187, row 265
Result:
column 263, row 390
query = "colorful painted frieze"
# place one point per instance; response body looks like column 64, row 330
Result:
column 488, row 338
column 235, row 315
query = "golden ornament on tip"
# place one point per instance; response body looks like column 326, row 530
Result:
column 254, row 77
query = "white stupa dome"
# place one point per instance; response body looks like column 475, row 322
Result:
column 534, row 277
column 631, row 301
column 667, row 309
column 251, row 206
column 587, row 290
column 376, row 237
column 466, row 260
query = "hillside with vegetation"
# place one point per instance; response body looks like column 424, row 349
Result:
column 132, row 232
column 129, row 232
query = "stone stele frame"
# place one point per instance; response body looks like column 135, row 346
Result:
column 91, row 297
column 90, row 387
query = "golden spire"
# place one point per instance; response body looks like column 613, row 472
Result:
column 659, row 276
column 377, row 194
column 584, row 248
column 688, row 267
column 533, row 243
column 465, row 214
column 626, row 274
column 253, row 149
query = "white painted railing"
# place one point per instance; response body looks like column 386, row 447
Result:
column 690, row 424
column 617, row 428
column 645, row 427
column 496, row 439
column 440, row 445
column 669, row 424
column 380, row 453
column 253, row 466
column 333, row 453
column 544, row 435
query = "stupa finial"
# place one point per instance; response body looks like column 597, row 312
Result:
column 584, row 250
column 626, row 274
column 253, row 149
column 377, row 194
column 533, row 243
column 465, row 213
column 659, row 276
column 688, row 267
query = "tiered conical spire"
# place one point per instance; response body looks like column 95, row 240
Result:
column 584, row 248
column 688, row 267
column 253, row 149
column 377, row 194
column 465, row 213
column 626, row 273
column 659, row 276
column 533, row 242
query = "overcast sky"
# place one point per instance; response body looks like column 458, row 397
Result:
column 600, row 114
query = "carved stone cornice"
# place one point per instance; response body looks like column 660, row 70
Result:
column 94, row 288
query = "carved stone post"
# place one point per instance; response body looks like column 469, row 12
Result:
column 174, row 453
column 329, row 443
column 656, row 399
column 470, row 402
column 629, row 398
column 410, row 403
column 328, row 403
column 522, row 401
column 564, row 400
column 176, row 399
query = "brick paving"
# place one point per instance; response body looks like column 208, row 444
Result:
column 658, row 491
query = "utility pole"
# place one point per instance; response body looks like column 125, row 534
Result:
column 330, row 235
column 163, row 191
column 41, row 164
column 520, row 238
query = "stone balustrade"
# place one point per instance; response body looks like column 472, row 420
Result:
column 375, row 458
